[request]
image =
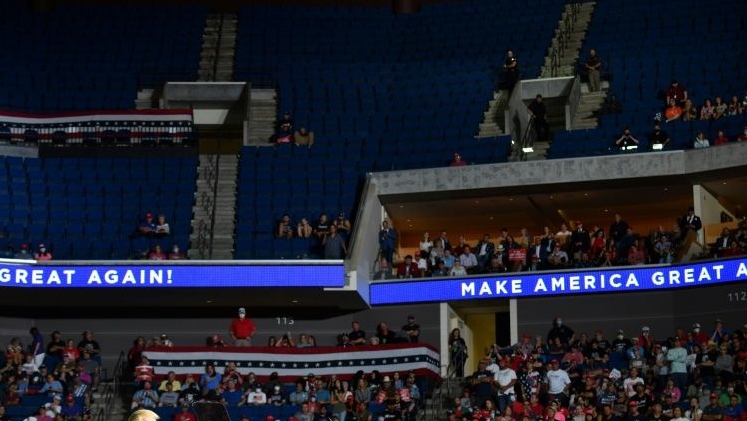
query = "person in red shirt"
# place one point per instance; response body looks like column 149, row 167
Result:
column 242, row 329
column 185, row 415
column 721, row 139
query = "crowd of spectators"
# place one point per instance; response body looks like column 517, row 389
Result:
column 695, row 374
column 154, row 232
column 357, row 396
column 329, row 237
column 569, row 247
column 57, row 379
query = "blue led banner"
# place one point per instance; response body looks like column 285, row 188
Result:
column 533, row 284
column 189, row 275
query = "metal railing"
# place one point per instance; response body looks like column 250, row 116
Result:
column 111, row 390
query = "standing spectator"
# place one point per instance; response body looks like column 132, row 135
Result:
column 690, row 222
column 593, row 66
column 334, row 245
column 485, row 250
column 54, row 350
column 676, row 92
column 505, row 378
column 561, row 331
column 426, row 245
column 510, row 70
column 42, row 253
column 242, row 328
column 387, row 241
column 411, row 329
column 538, row 114
column 457, row 352
column 558, row 383
column 37, row 346
column 677, row 358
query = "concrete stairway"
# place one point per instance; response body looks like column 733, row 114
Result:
column 493, row 118
column 566, row 44
column 263, row 111
column 117, row 410
column 589, row 104
column 218, row 47
column 216, row 192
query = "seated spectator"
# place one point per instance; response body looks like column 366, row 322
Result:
column 457, row 161
column 145, row 398
column 408, row 269
column 169, row 398
column 24, row 253
column 743, row 136
column 321, row 230
column 467, row 259
column 210, row 379
column 232, row 395
column 448, row 259
column 672, row 112
column 385, row 271
column 42, row 253
column 441, row 269
column 636, row 256
column 162, row 227
column 303, row 137
column 52, row 386
column 298, row 396
column 689, row 111
column 185, row 415
column 700, row 141
column 157, row 253
column 658, row 139
column 720, row 139
column 735, row 107
column 190, row 391
column 285, row 227
column 91, row 366
column 707, row 111
column 71, row 410
column 284, row 129
column 627, row 141
column 176, row 253
column 304, row 229
column 170, row 380
column 276, row 397
column 719, row 108
column 147, row 227
column 558, row 258
column 457, row 269
column 663, row 249
column 676, row 92
column 384, row 334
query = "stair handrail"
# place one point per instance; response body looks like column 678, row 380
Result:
column 212, row 213
column 217, row 48
column 527, row 140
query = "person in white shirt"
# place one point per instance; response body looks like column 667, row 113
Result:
column 558, row 383
column 258, row 397
column 630, row 382
column 505, row 379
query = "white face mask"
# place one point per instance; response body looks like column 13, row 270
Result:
column 620, row 336
column 696, row 330
column 176, row 249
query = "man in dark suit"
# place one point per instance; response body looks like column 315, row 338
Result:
column 387, row 241
column 443, row 242
column 690, row 222
column 484, row 250
column 580, row 241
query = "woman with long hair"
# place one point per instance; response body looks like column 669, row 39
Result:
column 457, row 351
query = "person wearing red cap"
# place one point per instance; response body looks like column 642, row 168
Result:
column 23, row 253
column 457, row 161
column 713, row 411
column 558, row 382
column 743, row 137
column 242, row 328
column 147, row 227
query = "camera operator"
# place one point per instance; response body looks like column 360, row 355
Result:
column 627, row 141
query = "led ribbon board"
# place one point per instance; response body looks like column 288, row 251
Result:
column 19, row 274
column 534, row 284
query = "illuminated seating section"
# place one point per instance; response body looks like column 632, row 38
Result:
column 645, row 52
column 94, row 56
column 380, row 92
column 87, row 208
